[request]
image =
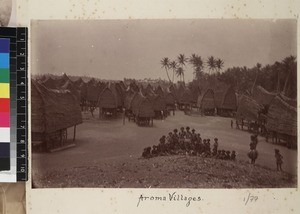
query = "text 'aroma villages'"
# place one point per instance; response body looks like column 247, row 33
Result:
column 173, row 197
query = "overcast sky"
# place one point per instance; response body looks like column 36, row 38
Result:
column 134, row 48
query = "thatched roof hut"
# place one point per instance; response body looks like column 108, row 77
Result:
column 159, row 91
column 50, row 83
column 78, row 82
column 170, row 99
column 225, row 97
column 159, row 103
column 248, row 109
column 128, row 98
column 142, row 107
column 93, row 91
column 83, row 91
column 107, row 99
column 206, row 100
column 262, row 96
column 53, row 110
column 72, row 88
column 282, row 117
column 290, row 101
column 186, row 97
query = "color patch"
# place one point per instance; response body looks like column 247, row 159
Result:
column 4, row 150
column 4, row 45
column 4, row 119
column 5, row 163
column 4, row 60
column 4, row 90
column 5, row 134
column 4, row 75
column 4, row 105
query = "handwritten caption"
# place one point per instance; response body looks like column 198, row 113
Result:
column 250, row 198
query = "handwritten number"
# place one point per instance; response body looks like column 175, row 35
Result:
column 250, row 198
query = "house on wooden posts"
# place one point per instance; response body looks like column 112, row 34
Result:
column 159, row 106
column 262, row 96
column 206, row 102
column 53, row 112
column 142, row 109
column 109, row 101
column 225, row 100
column 282, row 122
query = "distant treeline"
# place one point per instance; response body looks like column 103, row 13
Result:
column 277, row 77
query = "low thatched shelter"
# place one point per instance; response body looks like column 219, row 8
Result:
column 206, row 102
column 262, row 96
column 282, row 117
column 52, row 113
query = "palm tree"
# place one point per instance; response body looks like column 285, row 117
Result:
column 219, row 64
column 290, row 65
column 257, row 67
column 197, row 63
column 165, row 64
column 180, row 72
column 211, row 62
column 173, row 66
column 181, row 59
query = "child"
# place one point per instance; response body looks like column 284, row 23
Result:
column 233, row 155
column 279, row 158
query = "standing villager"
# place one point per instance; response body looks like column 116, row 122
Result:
column 278, row 158
column 215, row 147
column 233, row 155
column 252, row 154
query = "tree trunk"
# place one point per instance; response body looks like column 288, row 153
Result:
column 168, row 75
column 254, row 83
column 278, row 82
column 286, row 82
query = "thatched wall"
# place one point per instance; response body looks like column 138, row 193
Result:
column 107, row 99
column 57, row 109
column 93, row 92
column 170, row 99
column 37, row 110
column 282, row 117
column 225, row 97
column 206, row 100
column 248, row 109
column 262, row 96
column 159, row 91
column 135, row 101
column 144, row 108
column 186, row 97
column 159, row 103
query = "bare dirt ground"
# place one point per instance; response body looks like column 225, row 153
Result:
column 107, row 154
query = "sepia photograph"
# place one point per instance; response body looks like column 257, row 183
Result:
column 6, row 11
column 164, row 103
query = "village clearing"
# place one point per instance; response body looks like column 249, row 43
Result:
column 108, row 154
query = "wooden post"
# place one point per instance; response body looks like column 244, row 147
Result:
column 74, row 133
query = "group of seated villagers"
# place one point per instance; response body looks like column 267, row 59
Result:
column 189, row 143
